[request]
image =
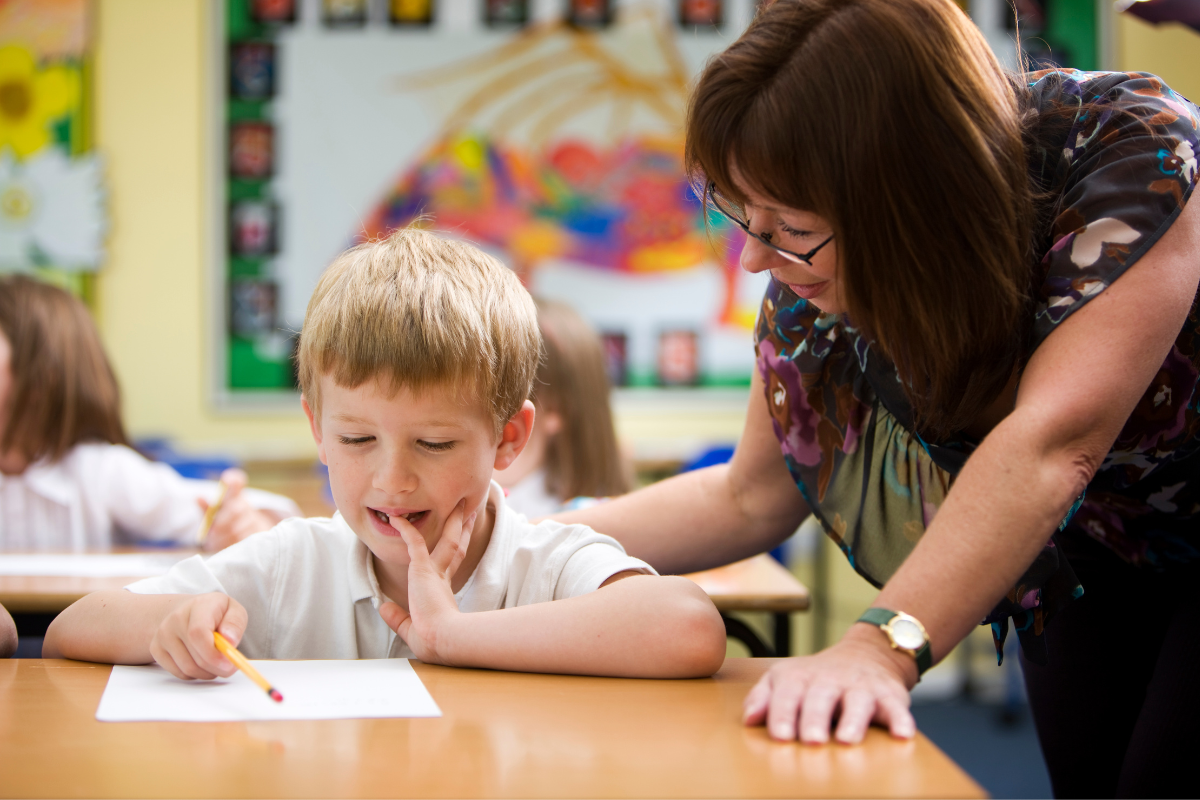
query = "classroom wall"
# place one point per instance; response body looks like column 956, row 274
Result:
column 1170, row 51
column 153, row 299
column 152, row 79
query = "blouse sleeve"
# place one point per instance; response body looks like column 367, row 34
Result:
column 1130, row 165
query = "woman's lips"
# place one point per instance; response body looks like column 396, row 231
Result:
column 807, row 291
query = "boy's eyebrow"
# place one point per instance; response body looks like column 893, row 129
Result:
column 433, row 423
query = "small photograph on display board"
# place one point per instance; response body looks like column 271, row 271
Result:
column 273, row 11
column 616, row 357
column 344, row 13
column 678, row 358
column 589, row 13
column 253, row 305
column 700, row 13
column 253, row 228
column 251, row 150
column 506, row 12
column 252, row 71
column 411, row 12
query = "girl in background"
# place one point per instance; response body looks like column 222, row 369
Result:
column 68, row 479
column 572, row 451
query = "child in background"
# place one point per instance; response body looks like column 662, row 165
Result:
column 416, row 362
column 68, row 480
column 572, row 451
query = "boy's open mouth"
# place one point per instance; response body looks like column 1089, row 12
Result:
column 413, row 517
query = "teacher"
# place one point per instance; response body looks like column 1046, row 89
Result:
column 977, row 367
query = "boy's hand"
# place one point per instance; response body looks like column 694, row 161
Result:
column 431, row 605
column 236, row 518
column 183, row 643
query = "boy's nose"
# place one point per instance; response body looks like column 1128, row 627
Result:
column 395, row 476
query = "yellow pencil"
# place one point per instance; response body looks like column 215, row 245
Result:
column 239, row 661
column 207, row 522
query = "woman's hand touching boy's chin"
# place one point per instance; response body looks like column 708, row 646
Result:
column 432, row 609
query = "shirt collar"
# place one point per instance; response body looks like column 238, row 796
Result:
column 363, row 583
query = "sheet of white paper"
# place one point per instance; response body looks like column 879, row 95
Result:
column 370, row 688
column 90, row 565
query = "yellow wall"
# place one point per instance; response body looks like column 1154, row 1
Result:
column 152, row 73
column 1171, row 52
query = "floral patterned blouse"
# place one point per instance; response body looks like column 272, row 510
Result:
column 843, row 422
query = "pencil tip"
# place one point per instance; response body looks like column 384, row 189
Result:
column 275, row 695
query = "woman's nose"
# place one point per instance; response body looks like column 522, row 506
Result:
column 756, row 257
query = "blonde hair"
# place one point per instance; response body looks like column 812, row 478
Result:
column 416, row 311
column 63, row 391
column 582, row 458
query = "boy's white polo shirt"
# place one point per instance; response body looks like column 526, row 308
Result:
column 309, row 586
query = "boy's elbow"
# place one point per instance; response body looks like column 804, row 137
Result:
column 8, row 634
column 700, row 633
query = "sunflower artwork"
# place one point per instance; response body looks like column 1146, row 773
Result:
column 52, row 215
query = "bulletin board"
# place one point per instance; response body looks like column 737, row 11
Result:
column 548, row 132
column 548, row 135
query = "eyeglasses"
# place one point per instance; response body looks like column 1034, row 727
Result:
column 726, row 208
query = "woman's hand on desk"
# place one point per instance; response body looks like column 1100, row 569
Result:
column 183, row 644
column 860, row 680
column 431, row 604
column 236, row 519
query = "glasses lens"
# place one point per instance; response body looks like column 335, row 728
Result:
column 725, row 206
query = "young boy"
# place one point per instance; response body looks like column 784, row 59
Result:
column 416, row 363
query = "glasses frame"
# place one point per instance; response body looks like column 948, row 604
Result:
column 710, row 194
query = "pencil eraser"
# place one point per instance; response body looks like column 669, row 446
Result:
column 275, row 695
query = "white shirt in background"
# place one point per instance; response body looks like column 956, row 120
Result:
column 529, row 496
column 104, row 494
column 310, row 591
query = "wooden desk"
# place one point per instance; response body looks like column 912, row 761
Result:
column 503, row 735
column 756, row 584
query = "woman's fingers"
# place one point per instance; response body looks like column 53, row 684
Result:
column 787, row 693
column 754, row 707
column 816, row 716
column 858, row 709
column 894, row 714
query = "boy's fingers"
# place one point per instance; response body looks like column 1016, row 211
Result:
column 397, row 619
column 448, row 544
column 233, row 622
column 235, row 480
column 460, row 553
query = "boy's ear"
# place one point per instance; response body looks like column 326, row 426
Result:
column 316, row 429
column 515, row 436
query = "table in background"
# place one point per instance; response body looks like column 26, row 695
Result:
column 756, row 584
column 502, row 735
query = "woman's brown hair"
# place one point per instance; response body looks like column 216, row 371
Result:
column 893, row 121
column 63, row 389
column 572, row 382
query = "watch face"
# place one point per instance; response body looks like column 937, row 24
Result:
column 906, row 634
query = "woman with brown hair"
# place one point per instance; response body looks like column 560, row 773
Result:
column 68, row 480
column 978, row 357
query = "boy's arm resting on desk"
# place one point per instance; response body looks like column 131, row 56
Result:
column 8, row 634
column 634, row 625
column 122, row 627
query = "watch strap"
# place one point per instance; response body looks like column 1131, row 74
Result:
column 881, row 617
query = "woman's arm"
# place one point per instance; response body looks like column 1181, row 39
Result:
column 1076, row 394
column 712, row 516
